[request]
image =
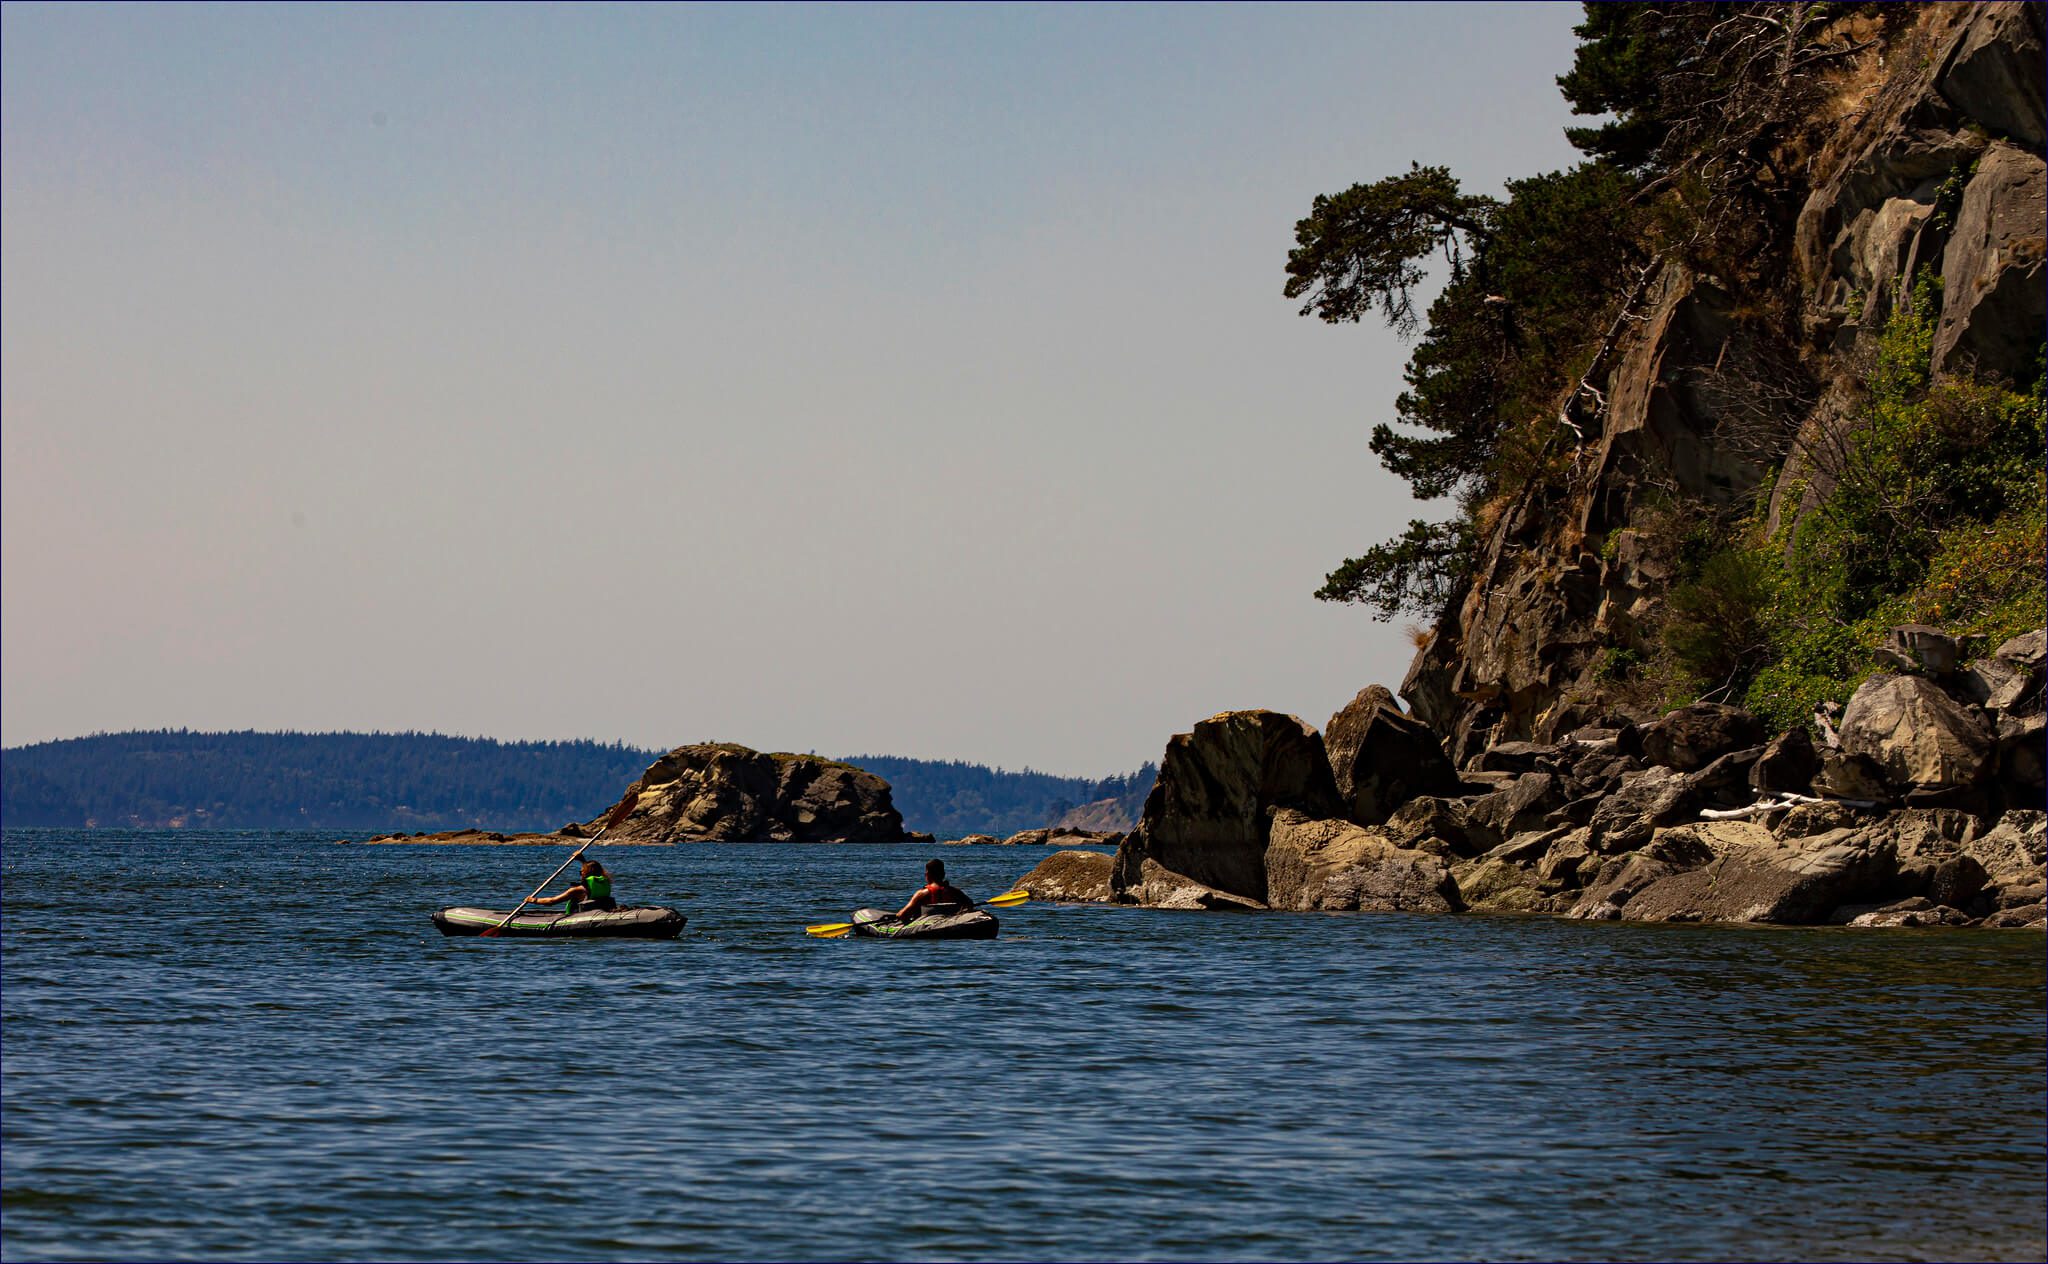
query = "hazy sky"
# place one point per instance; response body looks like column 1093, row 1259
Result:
column 908, row 380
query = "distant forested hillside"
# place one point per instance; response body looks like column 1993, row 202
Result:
column 175, row 779
column 949, row 798
column 346, row 781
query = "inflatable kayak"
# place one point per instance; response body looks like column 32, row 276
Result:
column 542, row 923
column 973, row 924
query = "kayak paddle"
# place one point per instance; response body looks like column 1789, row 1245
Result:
column 835, row 930
column 619, row 813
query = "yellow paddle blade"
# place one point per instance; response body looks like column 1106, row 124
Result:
column 829, row 930
column 1008, row 899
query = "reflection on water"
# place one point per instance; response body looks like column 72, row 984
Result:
column 249, row 1046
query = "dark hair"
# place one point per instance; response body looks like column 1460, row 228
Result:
column 591, row 865
column 935, row 870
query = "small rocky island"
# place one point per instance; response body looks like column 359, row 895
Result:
column 1925, row 809
column 721, row 792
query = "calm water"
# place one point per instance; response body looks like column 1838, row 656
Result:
column 256, row 1047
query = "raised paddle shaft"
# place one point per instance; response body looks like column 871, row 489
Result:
column 619, row 813
column 836, row 930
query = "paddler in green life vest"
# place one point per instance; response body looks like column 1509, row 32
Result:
column 593, row 890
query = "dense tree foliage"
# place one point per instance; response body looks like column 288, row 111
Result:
column 425, row 781
column 1529, row 280
column 1708, row 89
column 1703, row 102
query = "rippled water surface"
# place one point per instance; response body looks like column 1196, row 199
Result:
column 257, row 1047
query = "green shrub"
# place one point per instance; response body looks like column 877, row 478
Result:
column 1938, row 515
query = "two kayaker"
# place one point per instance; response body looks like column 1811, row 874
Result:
column 593, row 890
column 937, row 895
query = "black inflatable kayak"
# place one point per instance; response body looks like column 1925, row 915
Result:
column 541, row 923
column 972, row 924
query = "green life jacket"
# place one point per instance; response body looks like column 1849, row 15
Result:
column 599, row 885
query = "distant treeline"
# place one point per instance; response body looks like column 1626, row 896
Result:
column 176, row 779
column 950, row 798
column 173, row 779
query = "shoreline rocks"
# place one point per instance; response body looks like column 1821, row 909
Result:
column 1699, row 816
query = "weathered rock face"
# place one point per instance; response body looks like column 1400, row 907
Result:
column 1561, row 575
column 1209, row 813
column 720, row 792
column 1381, row 758
column 1926, row 743
column 1993, row 266
column 1335, row 865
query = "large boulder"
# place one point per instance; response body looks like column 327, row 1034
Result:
column 1854, row 776
column 1757, row 878
column 1610, row 886
column 1075, row 876
column 724, row 792
column 1499, row 886
column 1626, row 819
column 1516, row 807
column 1434, row 825
column 2022, row 757
column 1927, row 743
column 2010, row 680
column 1381, row 758
column 2014, row 850
column 1335, row 865
column 1915, row 647
column 1694, row 736
column 1788, row 764
column 1209, row 814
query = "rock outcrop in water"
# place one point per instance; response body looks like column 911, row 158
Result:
column 724, row 792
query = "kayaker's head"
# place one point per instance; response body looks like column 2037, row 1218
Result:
column 591, row 867
column 934, row 871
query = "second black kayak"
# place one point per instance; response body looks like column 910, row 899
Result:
column 541, row 923
column 972, row 924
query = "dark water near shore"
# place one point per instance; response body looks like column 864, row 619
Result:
column 256, row 1047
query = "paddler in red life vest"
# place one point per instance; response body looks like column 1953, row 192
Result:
column 593, row 890
column 937, row 895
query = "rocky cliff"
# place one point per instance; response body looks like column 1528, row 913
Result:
column 1926, row 162
column 1877, row 321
